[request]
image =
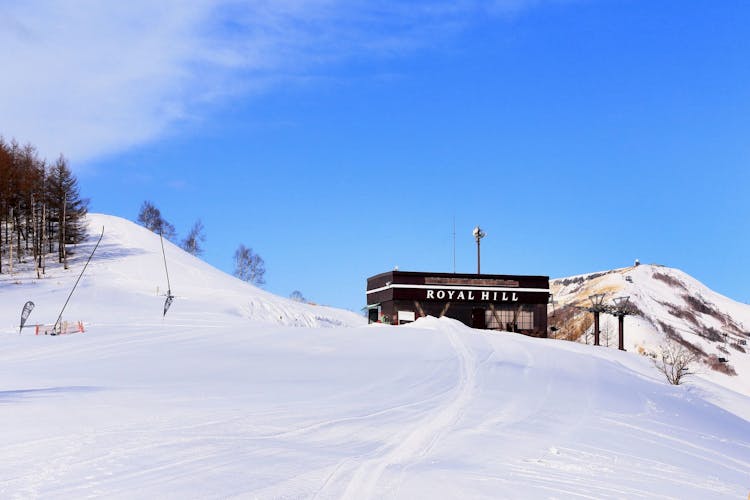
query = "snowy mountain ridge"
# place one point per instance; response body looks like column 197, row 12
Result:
column 668, row 304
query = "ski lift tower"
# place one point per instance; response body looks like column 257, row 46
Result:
column 478, row 235
column 621, row 309
column 597, row 306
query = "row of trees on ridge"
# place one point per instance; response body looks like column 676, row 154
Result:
column 41, row 210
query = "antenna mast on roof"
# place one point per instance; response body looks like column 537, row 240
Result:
column 478, row 235
column 454, row 244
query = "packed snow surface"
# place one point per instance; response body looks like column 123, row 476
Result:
column 221, row 399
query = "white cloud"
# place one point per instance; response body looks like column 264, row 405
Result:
column 86, row 79
column 91, row 78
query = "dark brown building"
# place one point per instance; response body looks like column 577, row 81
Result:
column 490, row 301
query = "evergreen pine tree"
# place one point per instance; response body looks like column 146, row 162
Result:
column 66, row 204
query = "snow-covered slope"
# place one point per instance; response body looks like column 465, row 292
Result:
column 222, row 400
column 668, row 303
column 126, row 283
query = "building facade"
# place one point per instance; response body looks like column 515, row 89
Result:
column 488, row 301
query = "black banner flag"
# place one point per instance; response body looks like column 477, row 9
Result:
column 167, row 303
column 27, row 308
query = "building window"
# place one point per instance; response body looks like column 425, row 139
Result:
column 509, row 318
column 405, row 317
column 525, row 320
column 497, row 318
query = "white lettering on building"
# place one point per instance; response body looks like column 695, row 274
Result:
column 485, row 296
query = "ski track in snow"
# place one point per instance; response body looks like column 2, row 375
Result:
column 600, row 465
column 411, row 445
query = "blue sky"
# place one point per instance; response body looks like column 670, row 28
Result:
column 341, row 139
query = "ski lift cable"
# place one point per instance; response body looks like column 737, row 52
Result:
column 54, row 329
column 164, row 255
column 170, row 297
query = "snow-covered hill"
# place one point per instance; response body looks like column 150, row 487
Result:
column 126, row 283
column 223, row 399
column 668, row 304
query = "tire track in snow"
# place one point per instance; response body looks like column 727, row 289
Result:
column 408, row 447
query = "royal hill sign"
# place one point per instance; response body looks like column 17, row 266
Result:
column 457, row 294
column 470, row 295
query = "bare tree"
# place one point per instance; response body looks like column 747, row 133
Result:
column 150, row 217
column 193, row 242
column 297, row 296
column 606, row 331
column 249, row 266
column 675, row 361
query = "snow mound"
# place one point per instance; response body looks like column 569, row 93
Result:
column 432, row 410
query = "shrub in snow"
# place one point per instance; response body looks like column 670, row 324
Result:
column 675, row 361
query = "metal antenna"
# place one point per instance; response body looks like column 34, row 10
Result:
column 454, row 244
column 54, row 328
column 478, row 235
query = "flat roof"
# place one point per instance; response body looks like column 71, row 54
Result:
column 457, row 275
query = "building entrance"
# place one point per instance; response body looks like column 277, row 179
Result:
column 478, row 319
